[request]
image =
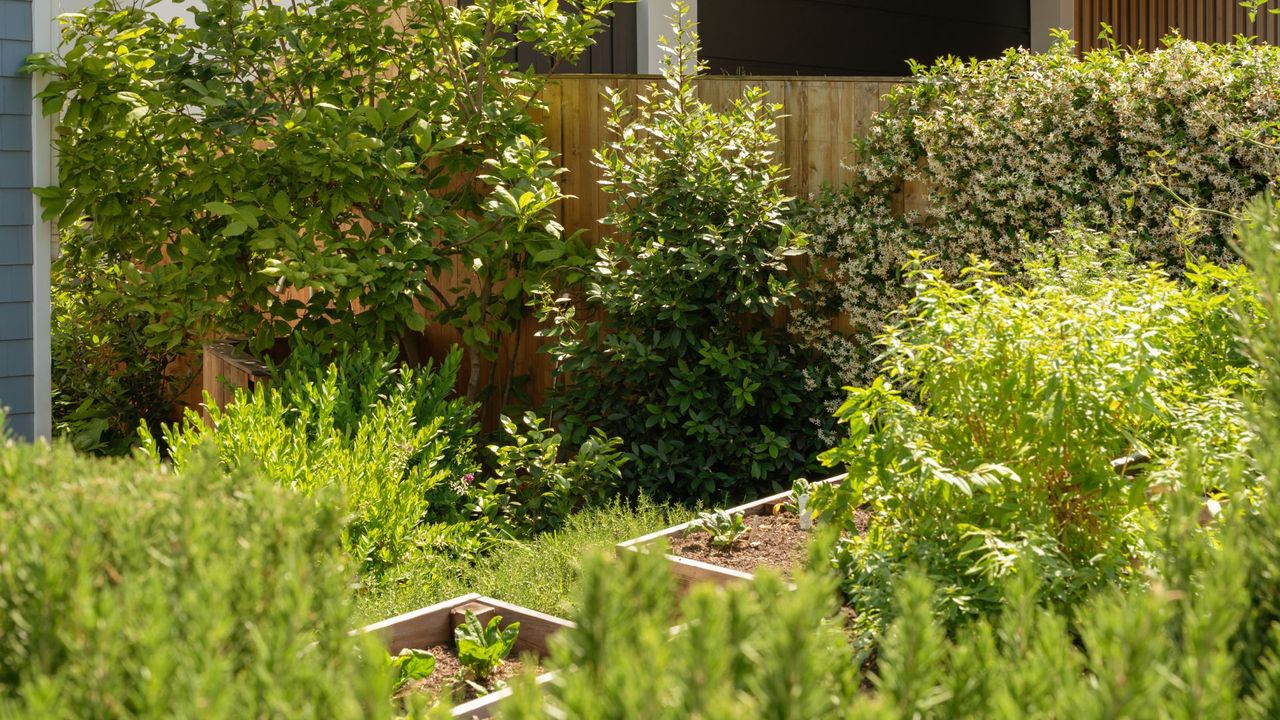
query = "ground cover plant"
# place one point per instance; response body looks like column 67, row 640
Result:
column 130, row 592
column 1163, row 147
column 677, row 350
column 399, row 446
column 988, row 444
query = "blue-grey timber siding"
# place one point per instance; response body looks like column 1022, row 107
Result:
column 17, row 371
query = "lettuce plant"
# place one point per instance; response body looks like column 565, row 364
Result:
column 725, row 528
column 482, row 648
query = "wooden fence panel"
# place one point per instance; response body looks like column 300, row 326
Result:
column 822, row 116
column 1142, row 23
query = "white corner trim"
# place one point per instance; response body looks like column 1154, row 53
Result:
column 44, row 38
column 653, row 22
column 1049, row 15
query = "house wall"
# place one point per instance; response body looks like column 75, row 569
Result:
column 18, row 295
column 853, row 37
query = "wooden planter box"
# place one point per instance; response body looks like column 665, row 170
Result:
column 690, row 572
column 434, row 625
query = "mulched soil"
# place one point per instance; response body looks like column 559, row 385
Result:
column 775, row 541
column 447, row 678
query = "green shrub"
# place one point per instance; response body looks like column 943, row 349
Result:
column 106, row 378
column 681, row 357
column 131, row 592
column 533, row 486
column 1011, row 149
column 1197, row 637
column 352, row 152
column 389, row 439
column 401, row 449
column 989, row 442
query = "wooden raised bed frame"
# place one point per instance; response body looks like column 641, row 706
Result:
column 434, row 625
column 690, row 572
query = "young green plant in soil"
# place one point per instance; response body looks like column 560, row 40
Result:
column 474, row 666
column 411, row 665
column 744, row 542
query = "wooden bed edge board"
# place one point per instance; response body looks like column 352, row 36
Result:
column 705, row 568
column 745, row 509
column 524, row 611
column 481, row 707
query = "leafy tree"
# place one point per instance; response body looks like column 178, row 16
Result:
column 327, row 170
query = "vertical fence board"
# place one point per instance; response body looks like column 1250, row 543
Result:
column 1142, row 23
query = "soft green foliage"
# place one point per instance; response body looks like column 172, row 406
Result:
column 533, row 488
column 411, row 664
column 106, row 378
column 1163, row 145
column 679, row 355
column 482, row 648
column 354, row 154
column 747, row 651
column 988, row 443
column 725, row 528
column 541, row 573
column 389, row 439
column 131, row 592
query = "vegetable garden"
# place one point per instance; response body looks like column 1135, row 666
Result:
column 1008, row 453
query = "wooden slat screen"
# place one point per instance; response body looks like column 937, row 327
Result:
column 1142, row 23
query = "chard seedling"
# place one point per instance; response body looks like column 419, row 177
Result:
column 482, row 649
column 724, row 528
column 411, row 665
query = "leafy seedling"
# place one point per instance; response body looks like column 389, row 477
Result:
column 724, row 528
column 411, row 665
column 799, row 503
column 482, row 649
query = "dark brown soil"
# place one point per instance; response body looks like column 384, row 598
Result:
column 775, row 541
column 447, row 680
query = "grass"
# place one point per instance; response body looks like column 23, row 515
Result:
column 541, row 574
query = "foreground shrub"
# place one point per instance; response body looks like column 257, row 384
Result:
column 760, row 650
column 1012, row 149
column 988, row 443
column 388, row 440
column 680, row 356
column 130, row 592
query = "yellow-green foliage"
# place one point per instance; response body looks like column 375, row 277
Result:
column 990, row 437
column 131, row 592
column 389, row 439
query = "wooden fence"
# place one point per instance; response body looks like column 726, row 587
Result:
column 1143, row 22
column 822, row 116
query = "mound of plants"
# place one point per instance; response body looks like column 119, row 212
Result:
column 1040, row 426
column 1195, row 634
column 399, row 448
column 127, row 591
column 676, row 348
column 1162, row 146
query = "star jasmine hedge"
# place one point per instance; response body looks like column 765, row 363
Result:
column 1013, row 149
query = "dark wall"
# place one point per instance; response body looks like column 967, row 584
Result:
column 854, row 37
column 614, row 51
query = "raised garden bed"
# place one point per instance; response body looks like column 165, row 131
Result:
column 432, row 628
column 780, row 543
